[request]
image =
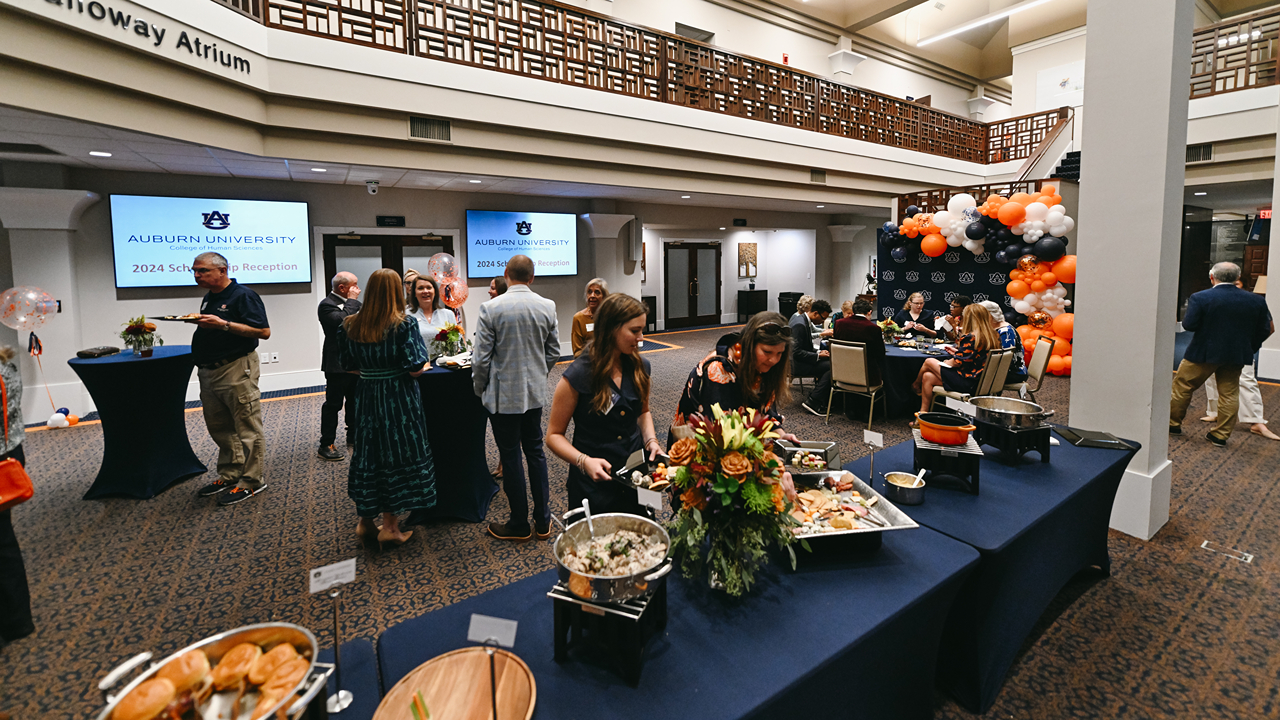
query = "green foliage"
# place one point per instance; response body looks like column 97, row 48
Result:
column 734, row 551
column 758, row 498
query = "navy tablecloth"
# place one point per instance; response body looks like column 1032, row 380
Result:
column 792, row 648
column 1036, row 526
column 900, row 369
column 359, row 677
column 456, row 422
column 144, row 427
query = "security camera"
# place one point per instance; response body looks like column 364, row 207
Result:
column 372, row 186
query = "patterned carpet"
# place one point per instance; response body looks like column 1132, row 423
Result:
column 1176, row 632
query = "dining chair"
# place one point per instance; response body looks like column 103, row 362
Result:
column 1035, row 369
column 990, row 382
column 852, row 372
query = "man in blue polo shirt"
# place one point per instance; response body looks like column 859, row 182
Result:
column 232, row 321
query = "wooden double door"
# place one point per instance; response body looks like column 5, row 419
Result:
column 691, row 280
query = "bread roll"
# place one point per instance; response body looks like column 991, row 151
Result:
column 235, row 665
column 281, row 683
column 187, row 671
column 145, row 701
column 264, row 667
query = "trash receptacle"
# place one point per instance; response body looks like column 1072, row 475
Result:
column 787, row 303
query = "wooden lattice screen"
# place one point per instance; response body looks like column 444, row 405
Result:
column 1235, row 55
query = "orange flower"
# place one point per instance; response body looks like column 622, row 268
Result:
column 682, row 452
column 777, row 471
column 735, row 465
column 779, row 498
column 694, row 498
column 151, row 327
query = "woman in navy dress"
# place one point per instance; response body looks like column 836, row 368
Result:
column 391, row 470
column 606, row 394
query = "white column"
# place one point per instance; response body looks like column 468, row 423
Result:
column 1269, row 356
column 1136, row 88
column 42, row 226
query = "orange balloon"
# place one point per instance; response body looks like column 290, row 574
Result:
column 1021, row 198
column 73, row 419
column 1048, row 190
column 1055, row 200
column 927, row 226
column 1048, row 278
column 1037, row 286
column 1024, row 331
column 1017, row 289
column 933, row 245
column 1057, row 364
column 1029, row 343
column 1064, row 325
column 1012, row 213
column 1015, row 275
column 1065, row 269
column 1066, row 360
column 1061, row 347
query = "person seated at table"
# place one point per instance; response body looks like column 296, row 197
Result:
column 1009, row 338
column 605, row 392
column 426, row 306
column 810, row 360
column 857, row 326
column 913, row 318
column 948, row 326
column 584, row 319
column 802, row 308
column 968, row 358
column 392, row 470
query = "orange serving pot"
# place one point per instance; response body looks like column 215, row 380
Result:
column 944, row 428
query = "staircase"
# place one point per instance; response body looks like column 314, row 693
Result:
column 1069, row 168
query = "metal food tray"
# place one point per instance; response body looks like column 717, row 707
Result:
column 827, row 449
column 639, row 460
column 897, row 519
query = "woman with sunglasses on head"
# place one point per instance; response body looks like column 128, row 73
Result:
column 605, row 392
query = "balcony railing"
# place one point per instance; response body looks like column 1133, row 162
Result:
column 1235, row 55
column 548, row 41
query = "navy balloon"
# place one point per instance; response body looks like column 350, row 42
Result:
column 975, row 231
column 890, row 228
column 898, row 253
column 912, row 211
column 1049, row 248
column 1011, row 317
column 1003, row 236
column 888, row 241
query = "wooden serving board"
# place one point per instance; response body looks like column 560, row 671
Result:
column 455, row 686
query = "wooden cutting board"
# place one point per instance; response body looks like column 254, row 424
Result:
column 455, row 686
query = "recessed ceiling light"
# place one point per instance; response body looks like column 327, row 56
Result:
column 99, row 153
column 1203, row 193
column 318, row 170
column 721, row 228
column 819, row 206
column 685, row 197
column 475, row 182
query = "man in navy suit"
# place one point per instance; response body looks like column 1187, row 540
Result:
column 339, row 386
column 1229, row 325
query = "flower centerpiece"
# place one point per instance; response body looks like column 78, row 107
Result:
column 449, row 341
column 890, row 329
column 732, row 505
column 140, row 336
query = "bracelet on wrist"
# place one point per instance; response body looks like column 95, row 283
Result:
column 581, row 457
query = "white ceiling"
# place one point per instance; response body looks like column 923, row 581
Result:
column 138, row 152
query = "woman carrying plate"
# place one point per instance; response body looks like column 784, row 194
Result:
column 605, row 392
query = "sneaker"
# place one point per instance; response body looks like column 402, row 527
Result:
column 237, row 494
column 542, row 530
column 216, row 487
column 329, row 452
column 812, row 409
column 1175, row 430
column 504, row 531
column 1216, row 442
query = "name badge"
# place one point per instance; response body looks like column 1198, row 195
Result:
column 591, row 327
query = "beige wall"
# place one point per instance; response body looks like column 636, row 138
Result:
column 1045, row 54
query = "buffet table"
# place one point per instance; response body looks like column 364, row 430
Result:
column 1036, row 525
column 142, row 403
column 359, row 677
column 456, row 422
column 866, row 629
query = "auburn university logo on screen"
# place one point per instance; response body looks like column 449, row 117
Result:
column 900, row 294
column 912, row 276
column 980, row 297
column 983, row 258
column 938, row 277
column 887, row 275
column 216, row 220
column 524, row 227
column 925, row 258
column 927, row 295
column 953, row 257
column 966, row 277
column 997, row 279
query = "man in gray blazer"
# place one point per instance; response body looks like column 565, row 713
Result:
column 516, row 345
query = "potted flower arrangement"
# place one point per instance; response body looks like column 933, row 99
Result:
column 141, row 336
column 731, row 502
column 890, row 329
column 449, row 341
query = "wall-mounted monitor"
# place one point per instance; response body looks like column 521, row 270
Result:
column 549, row 239
column 155, row 239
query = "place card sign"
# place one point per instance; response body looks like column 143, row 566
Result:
column 873, row 438
column 339, row 573
column 650, row 498
column 485, row 629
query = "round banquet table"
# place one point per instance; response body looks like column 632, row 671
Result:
column 456, row 422
column 901, row 365
column 142, row 404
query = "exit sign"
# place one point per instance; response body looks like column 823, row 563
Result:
column 1264, row 214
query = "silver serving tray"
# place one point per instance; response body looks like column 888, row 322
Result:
column 828, row 450
column 897, row 519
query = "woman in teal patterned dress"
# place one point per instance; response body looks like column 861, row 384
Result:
column 391, row 466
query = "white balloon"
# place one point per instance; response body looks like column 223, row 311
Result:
column 1031, row 299
column 960, row 202
column 1039, row 226
column 1054, row 313
column 1023, row 308
column 1066, row 303
column 1058, row 230
column 57, row 420
column 1060, row 291
column 955, row 240
column 1058, row 209
column 1054, row 217
column 1037, row 211
column 1068, row 223
column 1018, row 229
column 942, row 218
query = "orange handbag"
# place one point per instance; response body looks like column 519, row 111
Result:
column 15, row 483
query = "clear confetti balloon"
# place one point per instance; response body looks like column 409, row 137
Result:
column 26, row 308
column 455, row 292
column 443, row 267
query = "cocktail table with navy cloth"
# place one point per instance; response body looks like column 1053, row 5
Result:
column 456, row 422
column 1036, row 526
column 854, row 639
column 142, row 403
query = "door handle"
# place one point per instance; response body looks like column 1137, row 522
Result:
column 691, row 289
column 697, row 288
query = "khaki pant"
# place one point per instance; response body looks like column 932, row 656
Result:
column 1191, row 376
column 233, row 414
